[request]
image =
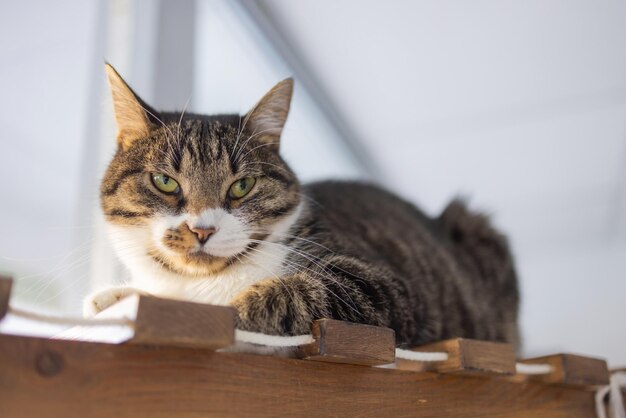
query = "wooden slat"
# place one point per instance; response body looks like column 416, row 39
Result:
column 186, row 324
column 53, row 378
column 5, row 294
column 346, row 342
column 162, row 322
column 466, row 356
column 571, row 369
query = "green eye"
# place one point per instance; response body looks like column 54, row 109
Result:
column 241, row 187
column 165, row 183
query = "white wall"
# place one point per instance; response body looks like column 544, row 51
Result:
column 235, row 67
column 47, row 53
column 519, row 105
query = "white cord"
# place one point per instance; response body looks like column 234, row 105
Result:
column 420, row 355
column 616, row 402
column 260, row 339
column 533, row 369
column 70, row 321
column 272, row 340
column 242, row 336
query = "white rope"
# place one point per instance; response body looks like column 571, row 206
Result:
column 272, row 340
column 241, row 336
column 70, row 321
column 616, row 402
column 533, row 369
column 258, row 338
column 420, row 355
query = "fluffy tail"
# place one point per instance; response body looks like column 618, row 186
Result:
column 484, row 254
column 480, row 248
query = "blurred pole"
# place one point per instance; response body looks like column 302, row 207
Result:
column 91, row 153
column 151, row 44
column 370, row 167
column 174, row 58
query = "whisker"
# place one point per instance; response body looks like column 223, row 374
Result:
column 330, row 277
column 280, row 280
column 245, row 122
column 254, row 135
column 257, row 147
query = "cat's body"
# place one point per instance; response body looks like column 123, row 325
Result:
column 204, row 209
column 428, row 279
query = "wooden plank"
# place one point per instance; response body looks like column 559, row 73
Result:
column 186, row 324
column 571, row 369
column 54, row 378
column 162, row 322
column 465, row 356
column 346, row 342
column 5, row 294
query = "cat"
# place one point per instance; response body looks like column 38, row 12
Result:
column 204, row 209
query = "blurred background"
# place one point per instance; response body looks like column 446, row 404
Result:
column 519, row 106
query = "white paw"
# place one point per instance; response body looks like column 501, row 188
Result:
column 102, row 299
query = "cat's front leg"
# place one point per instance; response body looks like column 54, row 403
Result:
column 281, row 306
column 98, row 301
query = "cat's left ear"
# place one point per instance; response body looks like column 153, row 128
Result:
column 267, row 118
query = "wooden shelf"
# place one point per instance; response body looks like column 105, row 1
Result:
column 54, row 378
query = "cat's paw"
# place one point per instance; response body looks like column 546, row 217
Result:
column 282, row 307
column 102, row 299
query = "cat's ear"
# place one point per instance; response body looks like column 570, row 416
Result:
column 134, row 118
column 267, row 118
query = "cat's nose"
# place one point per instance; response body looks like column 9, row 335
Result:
column 203, row 233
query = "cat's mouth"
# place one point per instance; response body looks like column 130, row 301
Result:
column 196, row 261
column 193, row 264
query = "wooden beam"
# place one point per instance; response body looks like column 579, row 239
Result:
column 187, row 324
column 346, row 342
column 163, row 322
column 465, row 356
column 54, row 378
column 5, row 294
column 570, row 369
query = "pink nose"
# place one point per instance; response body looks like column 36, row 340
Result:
column 203, row 233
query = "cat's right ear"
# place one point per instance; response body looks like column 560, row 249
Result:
column 134, row 118
column 267, row 118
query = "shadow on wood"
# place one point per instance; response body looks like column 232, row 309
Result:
column 5, row 294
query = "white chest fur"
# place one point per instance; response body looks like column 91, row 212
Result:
column 264, row 262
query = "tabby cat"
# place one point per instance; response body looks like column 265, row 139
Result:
column 203, row 208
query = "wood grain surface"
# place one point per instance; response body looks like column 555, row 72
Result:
column 346, row 342
column 52, row 378
column 186, row 324
column 572, row 369
column 466, row 356
column 5, row 294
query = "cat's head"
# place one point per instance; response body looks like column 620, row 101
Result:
column 195, row 194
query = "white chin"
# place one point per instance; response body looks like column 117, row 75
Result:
column 225, row 251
